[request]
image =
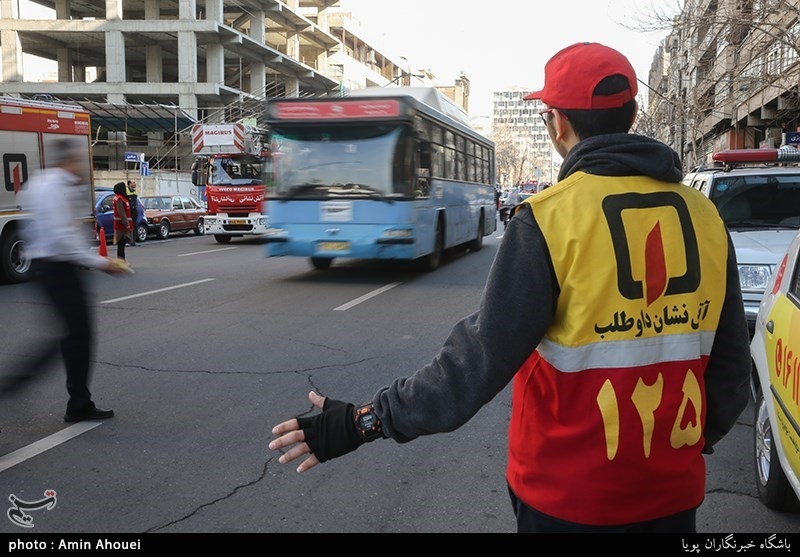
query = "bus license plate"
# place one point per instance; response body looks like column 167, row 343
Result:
column 333, row 246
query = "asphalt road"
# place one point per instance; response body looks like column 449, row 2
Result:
column 207, row 346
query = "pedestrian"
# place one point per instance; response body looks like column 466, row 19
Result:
column 123, row 221
column 614, row 306
column 57, row 242
column 133, row 200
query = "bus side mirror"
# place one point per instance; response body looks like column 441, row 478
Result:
column 195, row 174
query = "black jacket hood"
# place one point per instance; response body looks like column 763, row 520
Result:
column 623, row 154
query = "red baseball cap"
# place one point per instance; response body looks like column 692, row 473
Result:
column 572, row 74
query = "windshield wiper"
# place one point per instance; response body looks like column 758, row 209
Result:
column 753, row 224
column 357, row 189
column 298, row 189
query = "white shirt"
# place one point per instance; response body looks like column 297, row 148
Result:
column 57, row 201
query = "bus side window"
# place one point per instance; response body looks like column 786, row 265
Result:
column 424, row 170
column 425, row 154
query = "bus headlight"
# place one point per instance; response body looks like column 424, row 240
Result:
column 754, row 277
column 397, row 234
column 276, row 233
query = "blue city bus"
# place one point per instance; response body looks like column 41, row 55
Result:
column 382, row 173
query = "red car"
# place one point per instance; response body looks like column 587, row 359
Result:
column 173, row 213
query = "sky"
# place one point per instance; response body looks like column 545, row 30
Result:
column 501, row 45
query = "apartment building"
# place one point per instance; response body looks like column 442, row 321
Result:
column 519, row 120
column 727, row 76
column 148, row 69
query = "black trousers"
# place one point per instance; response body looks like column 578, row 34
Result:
column 121, row 243
column 135, row 219
column 64, row 287
column 530, row 521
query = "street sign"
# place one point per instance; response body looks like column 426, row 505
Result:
column 133, row 157
column 791, row 138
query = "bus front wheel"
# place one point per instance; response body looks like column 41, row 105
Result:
column 321, row 263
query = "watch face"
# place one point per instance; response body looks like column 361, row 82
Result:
column 367, row 420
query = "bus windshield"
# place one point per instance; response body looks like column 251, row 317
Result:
column 332, row 162
column 234, row 171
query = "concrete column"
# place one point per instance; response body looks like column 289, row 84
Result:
column 187, row 53
column 63, row 9
column 214, row 10
column 293, row 39
column 154, row 64
column 151, row 9
column 258, row 77
column 115, row 50
column 115, row 57
column 11, row 51
column 258, row 23
column 187, row 58
column 64, row 56
column 215, row 53
column 292, row 86
column 215, row 63
column 113, row 9
column 293, row 46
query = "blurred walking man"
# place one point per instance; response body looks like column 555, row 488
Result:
column 58, row 244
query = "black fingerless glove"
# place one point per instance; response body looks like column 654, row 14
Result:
column 332, row 433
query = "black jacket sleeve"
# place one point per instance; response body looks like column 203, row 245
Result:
column 729, row 368
column 485, row 349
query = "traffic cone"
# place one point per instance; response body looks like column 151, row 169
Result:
column 103, row 249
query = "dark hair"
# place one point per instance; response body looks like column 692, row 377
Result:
column 67, row 149
column 588, row 123
column 119, row 188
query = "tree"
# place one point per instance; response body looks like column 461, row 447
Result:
column 507, row 156
column 726, row 76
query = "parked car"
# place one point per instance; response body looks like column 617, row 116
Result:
column 775, row 349
column 104, row 214
column 758, row 196
column 173, row 213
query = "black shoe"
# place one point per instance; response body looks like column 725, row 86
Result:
column 94, row 414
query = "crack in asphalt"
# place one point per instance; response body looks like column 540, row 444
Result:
column 241, row 372
column 265, row 469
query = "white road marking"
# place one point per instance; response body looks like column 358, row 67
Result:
column 38, row 447
column 365, row 297
column 206, row 251
column 156, row 291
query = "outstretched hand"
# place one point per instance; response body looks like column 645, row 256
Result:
column 291, row 435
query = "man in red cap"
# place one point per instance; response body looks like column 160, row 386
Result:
column 613, row 305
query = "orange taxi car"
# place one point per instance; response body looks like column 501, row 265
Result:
column 775, row 350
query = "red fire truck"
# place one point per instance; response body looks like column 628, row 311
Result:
column 229, row 171
column 28, row 131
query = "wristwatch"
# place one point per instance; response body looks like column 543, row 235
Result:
column 368, row 423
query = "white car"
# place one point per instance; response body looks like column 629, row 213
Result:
column 775, row 349
column 758, row 196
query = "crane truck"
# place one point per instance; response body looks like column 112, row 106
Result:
column 229, row 169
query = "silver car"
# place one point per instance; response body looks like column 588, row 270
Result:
column 760, row 204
